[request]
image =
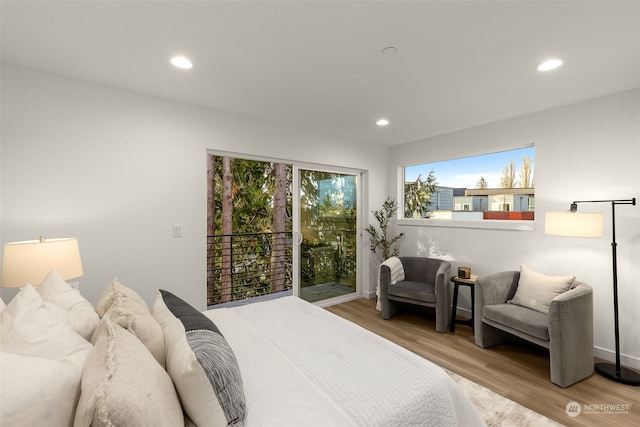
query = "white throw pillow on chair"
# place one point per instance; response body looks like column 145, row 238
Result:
column 536, row 290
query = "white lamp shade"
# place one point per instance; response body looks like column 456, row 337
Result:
column 31, row 261
column 573, row 224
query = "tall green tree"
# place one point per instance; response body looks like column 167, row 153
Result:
column 247, row 249
column 417, row 195
column 279, row 227
column 227, row 229
column 211, row 224
column 253, row 184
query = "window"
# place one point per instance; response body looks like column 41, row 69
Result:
column 496, row 186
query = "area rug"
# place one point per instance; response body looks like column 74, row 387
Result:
column 497, row 410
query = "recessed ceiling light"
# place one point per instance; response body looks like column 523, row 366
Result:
column 550, row 64
column 382, row 122
column 181, row 62
column 390, row 50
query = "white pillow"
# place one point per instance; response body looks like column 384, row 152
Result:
column 41, row 363
column 29, row 328
column 536, row 290
column 116, row 290
column 74, row 309
column 2, row 305
column 33, row 390
column 122, row 385
column 136, row 319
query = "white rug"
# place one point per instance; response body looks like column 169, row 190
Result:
column 498, row 410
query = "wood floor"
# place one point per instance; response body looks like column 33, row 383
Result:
column 518, row 371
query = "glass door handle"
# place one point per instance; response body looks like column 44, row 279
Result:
column 297, row 238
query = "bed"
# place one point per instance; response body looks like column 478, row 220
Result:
column 283, row 362
column 333, row 372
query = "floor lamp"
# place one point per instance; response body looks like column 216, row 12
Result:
column 577, row 224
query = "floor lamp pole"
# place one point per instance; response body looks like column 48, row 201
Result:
column 617, row 372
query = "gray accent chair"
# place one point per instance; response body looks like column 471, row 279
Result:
column 567, row 331
column 426, row 284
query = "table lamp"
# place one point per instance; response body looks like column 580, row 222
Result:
column 31, row 261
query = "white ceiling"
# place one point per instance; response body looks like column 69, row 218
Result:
column 317, row 65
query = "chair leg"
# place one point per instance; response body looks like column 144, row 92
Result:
column 568, row 366
column 488, row 336
column 389, row 308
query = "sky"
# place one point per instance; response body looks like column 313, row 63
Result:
column 465, row 172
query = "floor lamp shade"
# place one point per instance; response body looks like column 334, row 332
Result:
column 573, row 224
column 31, row 261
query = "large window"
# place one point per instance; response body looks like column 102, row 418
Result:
column 496, row 186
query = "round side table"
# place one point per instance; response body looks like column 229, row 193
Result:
column 457, row 282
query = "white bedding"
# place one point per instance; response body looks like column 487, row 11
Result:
column 302, row 365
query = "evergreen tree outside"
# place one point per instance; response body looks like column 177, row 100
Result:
column 249, row 249
column 227, row 228
column 249, row 258
column 278, row 238
column 417, row 195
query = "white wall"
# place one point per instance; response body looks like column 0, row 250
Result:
column 586, row 151
column 117, row 169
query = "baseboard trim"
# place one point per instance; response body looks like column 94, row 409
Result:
column 338, row 300
column 625, row 360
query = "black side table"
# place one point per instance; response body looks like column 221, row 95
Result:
column 457, row 281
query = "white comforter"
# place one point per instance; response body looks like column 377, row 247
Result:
column 304, row 366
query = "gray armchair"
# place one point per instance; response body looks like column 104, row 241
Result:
column 426, row 284
column 567, row 331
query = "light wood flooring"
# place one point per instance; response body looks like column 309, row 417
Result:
column 518, row 371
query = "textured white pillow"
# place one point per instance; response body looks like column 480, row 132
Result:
column 74, row 309
column 136, row 319
column 112, row 291
column 2, row 305
column 122, row 385
column 41, row 363
column 536, row 290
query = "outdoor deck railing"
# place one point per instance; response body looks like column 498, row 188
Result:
column 246, row 265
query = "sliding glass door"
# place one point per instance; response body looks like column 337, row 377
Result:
column 276, row 228
column 326, row 238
